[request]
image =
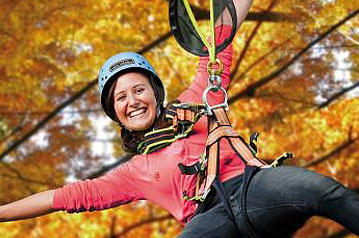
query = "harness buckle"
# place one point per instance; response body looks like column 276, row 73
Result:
column 198, row 198
column 204, row 195
column 280, row 160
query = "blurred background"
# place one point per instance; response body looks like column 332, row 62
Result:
column 295, row 80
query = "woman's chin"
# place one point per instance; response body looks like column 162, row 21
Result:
column 140, row 124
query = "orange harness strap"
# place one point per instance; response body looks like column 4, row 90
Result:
column 219, row 127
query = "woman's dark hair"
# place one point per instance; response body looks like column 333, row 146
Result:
column 132, row 138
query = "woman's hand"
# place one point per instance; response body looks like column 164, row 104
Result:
column 33, row 206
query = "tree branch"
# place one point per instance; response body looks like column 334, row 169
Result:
column 270, row 17
column 156, row 42
column 331, row 47
column 44, row 121
column 338, row 95
column 251, row 37
column 19, row 113
column 330, row 154
column 250, row 90
column 2, row 32
column 113, row 226
column 13, row 132
column 141, row 223
column 28, row 180
column 202, row 14
column 69, row 101
column 258, row 61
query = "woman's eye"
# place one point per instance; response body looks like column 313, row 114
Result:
column 139, row 90
column 120, row 98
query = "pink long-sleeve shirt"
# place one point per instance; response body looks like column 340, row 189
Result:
column 156, row 177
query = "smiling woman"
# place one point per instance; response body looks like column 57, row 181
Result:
column 120, row 65
column 132, row 94
column 134, row 101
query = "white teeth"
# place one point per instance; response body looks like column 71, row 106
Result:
column 137, row 112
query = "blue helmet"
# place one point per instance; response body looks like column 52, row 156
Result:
column 122, row 63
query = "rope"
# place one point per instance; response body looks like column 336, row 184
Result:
column 211, row 49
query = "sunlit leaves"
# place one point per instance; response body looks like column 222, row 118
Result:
column 51, row 49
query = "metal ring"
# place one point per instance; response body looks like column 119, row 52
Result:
column 215, row 78
column 215, row 81
column 213, row 71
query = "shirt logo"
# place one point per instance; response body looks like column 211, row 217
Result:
column 157, row 176
column 121, row 63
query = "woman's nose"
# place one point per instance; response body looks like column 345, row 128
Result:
column 132, row 100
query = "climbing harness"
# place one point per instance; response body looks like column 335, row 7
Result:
column 191, row 37
column 219, row 127
column 207, row 169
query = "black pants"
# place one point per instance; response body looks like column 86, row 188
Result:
column 278, row 202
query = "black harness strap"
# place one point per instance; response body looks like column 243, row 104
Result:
column 218, row 186
column 249, row 172
column 191, row 169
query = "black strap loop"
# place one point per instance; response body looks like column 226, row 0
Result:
column 218, row 186
column 191, row 169
column 252, row 144
column 249, row 173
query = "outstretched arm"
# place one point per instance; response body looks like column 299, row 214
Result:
column 33, row 206
column 110, row 190
column 242, row 8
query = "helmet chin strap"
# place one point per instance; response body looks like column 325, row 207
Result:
column 159, row 108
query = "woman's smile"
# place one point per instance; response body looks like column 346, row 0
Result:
column 137, row 113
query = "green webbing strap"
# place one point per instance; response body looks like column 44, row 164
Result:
column 212, row 53
column 211, row 49
column 162, row 137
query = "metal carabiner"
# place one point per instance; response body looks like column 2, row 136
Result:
column 209, row 108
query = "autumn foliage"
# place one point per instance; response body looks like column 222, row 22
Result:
column 294, row 80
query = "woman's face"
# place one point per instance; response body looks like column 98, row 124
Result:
column 134, row 101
